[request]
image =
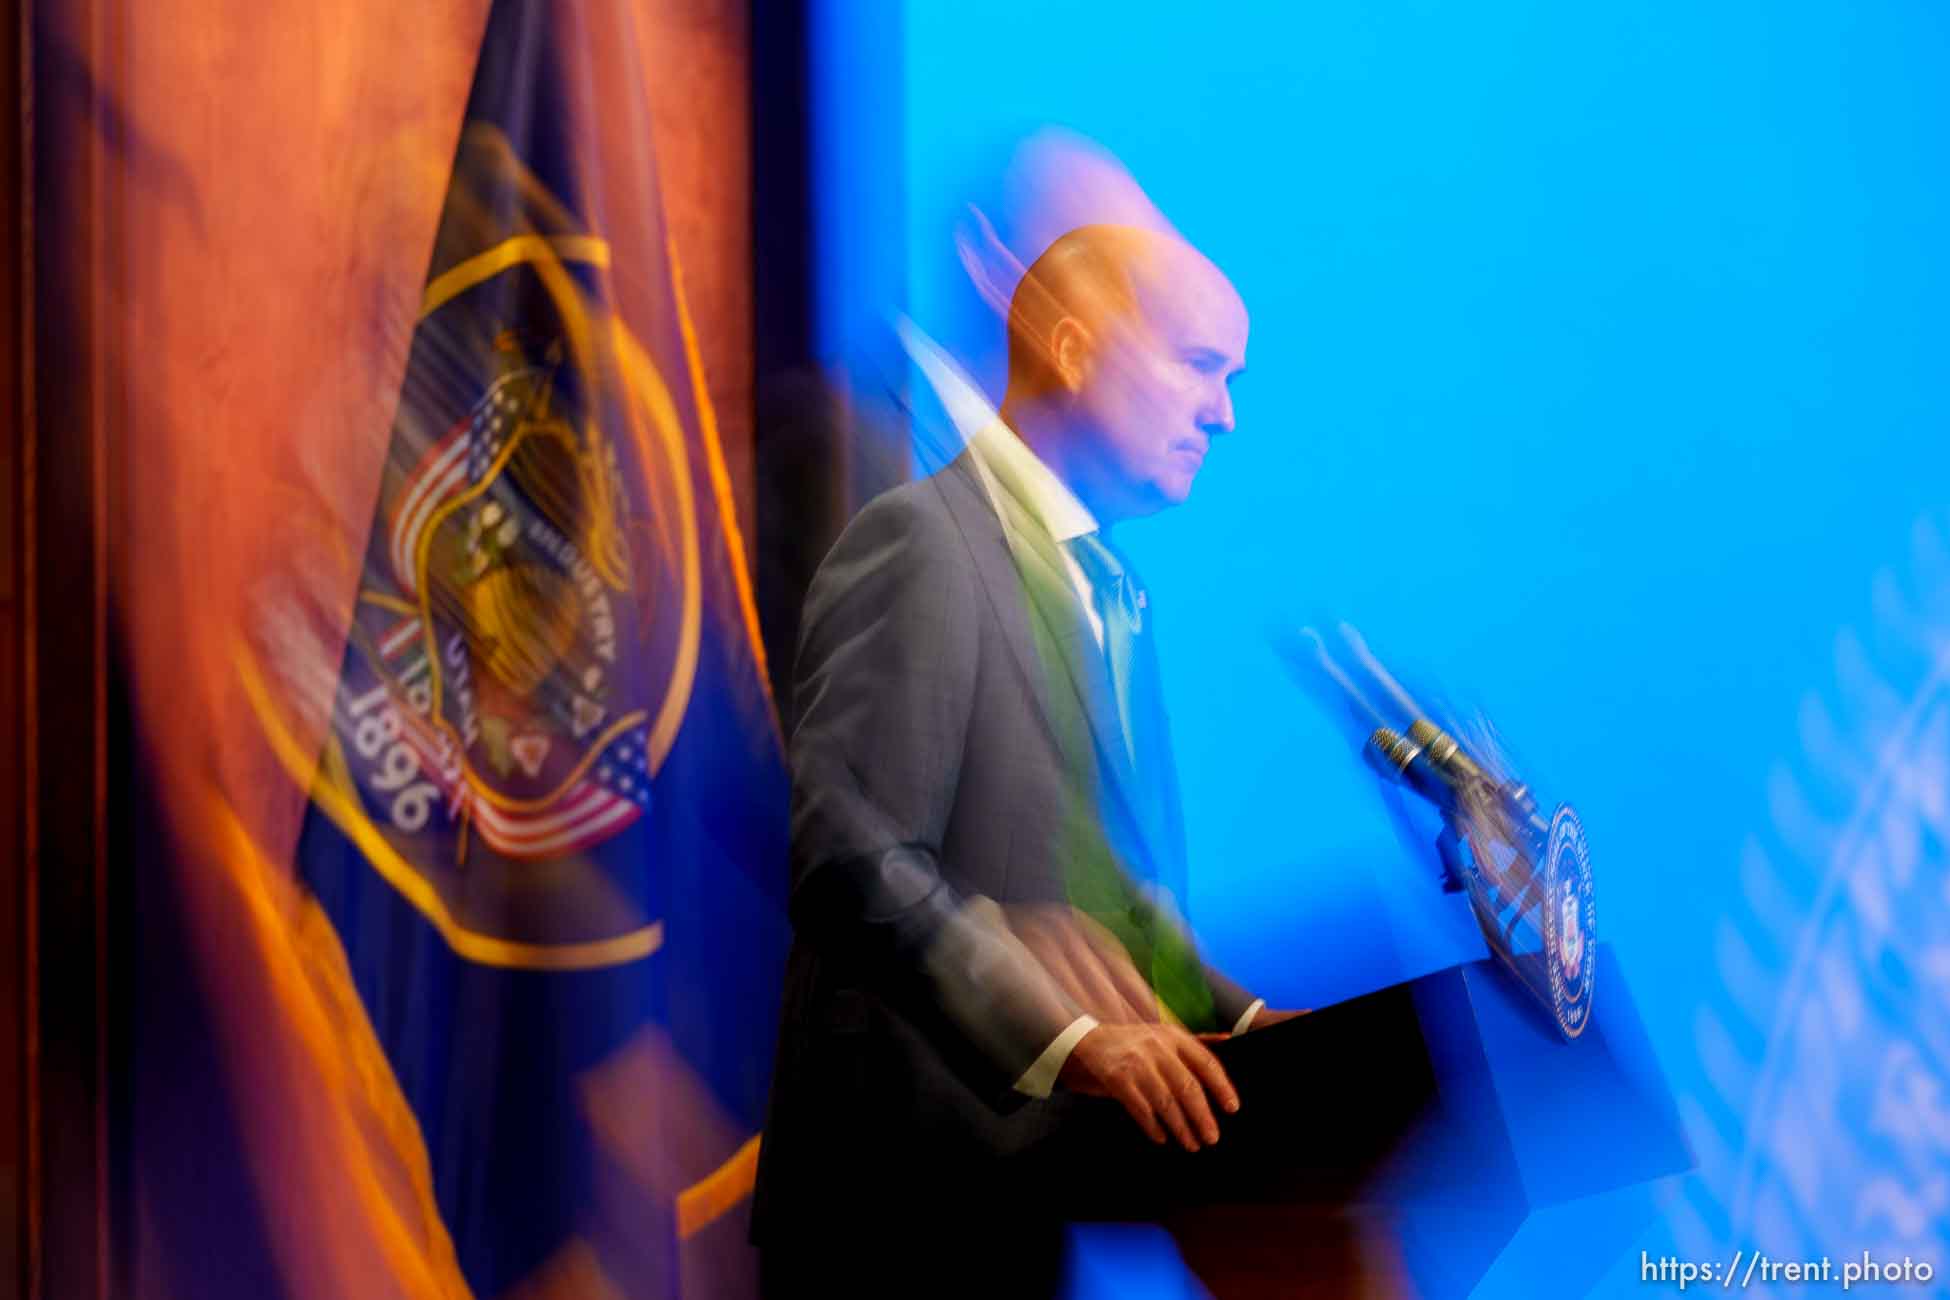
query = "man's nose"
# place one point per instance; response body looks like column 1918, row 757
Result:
column 1216, row 418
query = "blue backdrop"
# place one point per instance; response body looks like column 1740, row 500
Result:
column 1596, row 373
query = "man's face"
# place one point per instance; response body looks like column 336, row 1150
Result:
column 1158, row 389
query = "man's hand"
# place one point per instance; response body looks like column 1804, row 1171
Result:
column 1159, row 1073
column 1085, row 960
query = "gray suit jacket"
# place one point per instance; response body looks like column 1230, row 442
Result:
column 955, row 735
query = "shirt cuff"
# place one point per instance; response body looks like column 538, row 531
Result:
column 1040, row 1077
column 1246, row 1016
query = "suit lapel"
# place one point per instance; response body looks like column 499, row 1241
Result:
column 1022, row 567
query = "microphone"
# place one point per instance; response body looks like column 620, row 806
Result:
column 1430, row 762
column 1443, row 750
column 1406, row 761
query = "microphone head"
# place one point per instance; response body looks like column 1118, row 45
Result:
column 1443, row 750
column 1389, row 753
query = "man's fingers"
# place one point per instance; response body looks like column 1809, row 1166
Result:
column 1164, row 1101
column 1161, row 1077
column 1130, row 984
column 1191, row 1100
column 1074, row 967
column 1057, row 963
column 1108, row 988
column 1098, row 978
column 1116, row 965
column 1133, row 1099
column 1199, row 1059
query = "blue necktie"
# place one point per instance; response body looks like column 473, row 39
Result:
column 1120, row 604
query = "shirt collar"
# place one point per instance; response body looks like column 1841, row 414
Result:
column 1006, row 456
column 1033, row 483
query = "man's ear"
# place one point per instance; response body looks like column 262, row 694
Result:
column 1071, row 352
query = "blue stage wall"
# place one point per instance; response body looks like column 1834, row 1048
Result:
column 1597, row 373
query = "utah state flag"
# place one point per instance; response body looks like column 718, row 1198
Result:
column 550, row 814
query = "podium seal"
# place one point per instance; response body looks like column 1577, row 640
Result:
column 1570, row 919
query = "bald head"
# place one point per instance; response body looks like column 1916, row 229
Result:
column 1085, row 278
column 1102, row 279
column 1122, row 342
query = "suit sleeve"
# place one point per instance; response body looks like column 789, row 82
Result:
column 884, row 686
column 1229, row 1000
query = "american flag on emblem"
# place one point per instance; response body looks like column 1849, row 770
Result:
column 457, row 461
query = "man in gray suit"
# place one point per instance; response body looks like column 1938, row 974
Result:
column 986, row 827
